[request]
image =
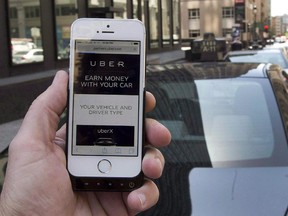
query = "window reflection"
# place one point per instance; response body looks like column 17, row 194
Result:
column 135, row 9
column 96, row 3
column 165, row 22
column 25, row 33
column 142, row 12
column 176, row 23
column 153, row 20
column 25, row 23
column 138, row 10
column 120, row 9
column 65, row 11
column 104, row 9
column 98, row 9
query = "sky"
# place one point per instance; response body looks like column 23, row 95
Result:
column 279, row 7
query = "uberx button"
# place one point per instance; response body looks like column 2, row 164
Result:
column 103, row 135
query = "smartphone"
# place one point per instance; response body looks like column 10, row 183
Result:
column 105, row 132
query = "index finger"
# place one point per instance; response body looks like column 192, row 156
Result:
column 150, row 101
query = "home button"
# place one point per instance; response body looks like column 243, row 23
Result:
column 104, row 166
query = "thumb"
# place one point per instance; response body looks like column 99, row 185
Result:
column 41, row 120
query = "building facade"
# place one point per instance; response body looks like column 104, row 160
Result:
column 277, row 25
column 222, row 16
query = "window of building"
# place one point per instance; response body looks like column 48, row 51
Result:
column 25, row 31
column 176, row 22
column 166, row 23
column 226, row 32
column 228, row 12
column 138, row 10
column 13, row 14
column 65, row 10
column 96, row 3
column 194, row 13
column 194, row 33
column 99, row 8
column 32, row 11
column 153, row 23
column 65, row 14
column 121, row 9
column 135, row 9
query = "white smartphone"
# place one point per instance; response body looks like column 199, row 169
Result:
column 106, row 104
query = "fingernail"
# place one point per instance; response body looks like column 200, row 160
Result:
column 160, row 163
column 142, row 199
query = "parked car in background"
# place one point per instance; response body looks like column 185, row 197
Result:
column 280, row 39
column 21, row 45
column 283, row 39
column 270, row 41
column 33, row 55
column 281, row 46
column 255, row 45
column 17, row 57
column 274, row 56
column 229, row 149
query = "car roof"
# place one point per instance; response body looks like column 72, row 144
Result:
column 213, row 70
column 253, row 51
column 240, row 52
column 37, row 49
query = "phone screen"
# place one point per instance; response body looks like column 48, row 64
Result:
column 106, row 98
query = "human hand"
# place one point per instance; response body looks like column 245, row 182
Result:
column 37, row 181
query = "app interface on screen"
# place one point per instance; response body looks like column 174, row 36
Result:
column 106, row 97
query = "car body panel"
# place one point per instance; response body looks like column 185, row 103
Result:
column 33, row 55
column 238, row 192
column 274, row 56
column 191, row 97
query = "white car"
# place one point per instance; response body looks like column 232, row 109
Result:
column 20, row 46
column 34, row 55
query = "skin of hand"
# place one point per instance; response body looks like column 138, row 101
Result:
column 37, row 181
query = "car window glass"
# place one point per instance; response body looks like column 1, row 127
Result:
column 38, row 53
column 232, row 119
column 21, row 53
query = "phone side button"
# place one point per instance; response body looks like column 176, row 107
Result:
column 104, row 166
